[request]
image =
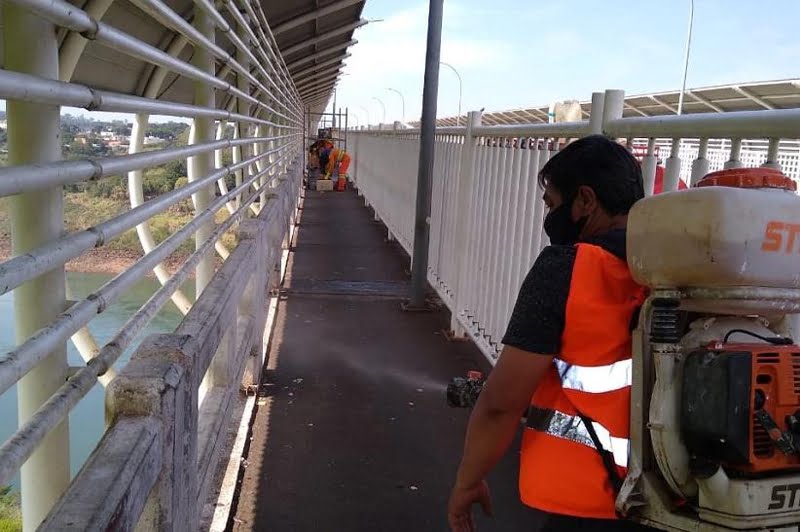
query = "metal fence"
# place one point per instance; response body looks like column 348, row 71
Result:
column 166, row 408
column 487, row 209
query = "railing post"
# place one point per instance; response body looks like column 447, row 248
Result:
column 159, row 382
column 772, row 154
column 596, row 118
column 37, row 217
column 700, row 165
column 354, row 155
column 735, row 159
column 649, row 165
column 463, row 217
column 672, row 174
column 613, row 104
column 253, row 305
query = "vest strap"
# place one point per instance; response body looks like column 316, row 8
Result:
column 573, row 428
column 606, row 456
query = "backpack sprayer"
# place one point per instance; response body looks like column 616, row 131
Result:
column 715, row 395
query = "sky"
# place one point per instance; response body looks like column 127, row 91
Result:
column 530, row 53
column 526, row 53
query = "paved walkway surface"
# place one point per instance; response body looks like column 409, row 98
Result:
column 353, row 432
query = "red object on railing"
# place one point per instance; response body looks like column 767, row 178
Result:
column 658, row 185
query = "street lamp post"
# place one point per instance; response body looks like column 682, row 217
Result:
column 369, row 120
column 422, row 213
column 686, row 57
column 402, row 100
column 383, row 106
column 458, row 118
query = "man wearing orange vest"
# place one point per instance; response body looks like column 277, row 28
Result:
column 566, row 359
column 338, row 162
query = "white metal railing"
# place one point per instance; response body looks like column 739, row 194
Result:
column 167, row 409
column 486, row 205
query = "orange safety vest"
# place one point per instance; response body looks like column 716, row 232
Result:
column 339, row 160
column 561, row 470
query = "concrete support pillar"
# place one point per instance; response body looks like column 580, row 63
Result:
column 201, row 165
column 203, row 131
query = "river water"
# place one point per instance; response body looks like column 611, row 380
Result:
column 86, row 419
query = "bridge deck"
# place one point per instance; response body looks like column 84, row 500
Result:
column 355, row 433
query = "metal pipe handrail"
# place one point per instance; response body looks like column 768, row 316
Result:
column 17, row 270
column 24, row 178
column 22, row 268
column 562, row 129
column 752, row 124
column 235, row 38
column 34, row 89
column 170, row 19
column 23, row 442
column 223, row 25
column 264, row 28
column 237, row 15
column 68, row 16
column 254, row 82
column 20, row 360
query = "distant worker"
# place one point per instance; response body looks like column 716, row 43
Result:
column 566, row 358
column 324, row 151
column 338, row 163
column 322, row 148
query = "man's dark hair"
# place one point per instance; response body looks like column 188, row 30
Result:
column 601, row 164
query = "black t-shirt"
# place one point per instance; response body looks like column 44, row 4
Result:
column 537, row 323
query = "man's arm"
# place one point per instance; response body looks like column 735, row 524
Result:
column 532, row 338
column 495, row 418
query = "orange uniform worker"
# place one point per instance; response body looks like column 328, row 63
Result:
column 567, row 354
column 338, row 162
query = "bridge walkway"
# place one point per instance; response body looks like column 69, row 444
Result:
column 353, row 433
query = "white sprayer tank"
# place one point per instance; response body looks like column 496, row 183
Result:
column 738, row 227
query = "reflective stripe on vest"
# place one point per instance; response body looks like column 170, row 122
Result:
column 572, row 428
column 595, row 379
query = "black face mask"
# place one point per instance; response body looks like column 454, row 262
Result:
column 559, row 226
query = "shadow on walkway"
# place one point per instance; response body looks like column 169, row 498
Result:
column 355, row 434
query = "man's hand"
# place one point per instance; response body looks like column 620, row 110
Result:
column 459, row 508
column 492, row 426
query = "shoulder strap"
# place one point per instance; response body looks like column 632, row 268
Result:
column 605, row 456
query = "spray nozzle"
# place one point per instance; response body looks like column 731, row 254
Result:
column 463, row 392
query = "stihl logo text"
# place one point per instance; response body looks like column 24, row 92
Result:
column 784, row 496
column 781, row 237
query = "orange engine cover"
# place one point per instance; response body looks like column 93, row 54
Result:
column 724, row 386
column 776, row 381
